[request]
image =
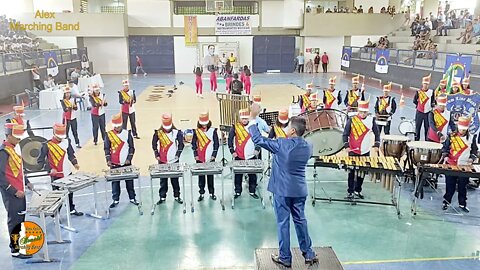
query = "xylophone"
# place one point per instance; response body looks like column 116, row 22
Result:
column 171, row 170
column 453, row 170
column 247, row 166
column 385, row 165
column 208, row 168
column 75, row 182
column 123, row 174
column 250, row 166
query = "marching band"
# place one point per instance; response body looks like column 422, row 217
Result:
column 361, row 129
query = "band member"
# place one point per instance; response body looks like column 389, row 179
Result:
column 424, row 101
column 304, row 100
column 466, row 85
column 205, row 145
column 456, row 88
column 313, row 103
column 331, row 97
column 439, row 121
column 70, row 108
column 12, row 185
column 459, row 149
column 18, row 114
column 357, row 139
column 127, row 99
column 441, row 89
column 58, row 156
column 98, row 113
column 248, row 80
column 213, row 77
column 242, row 148
column 279, row 129
column 354, row 95
column 119, row 150
column 167, row 145
column 198, row 71
column 385, row 107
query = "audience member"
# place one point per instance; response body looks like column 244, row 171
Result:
column 360, row 9
column 370, row 10
column 466, row 36
column 50, row 82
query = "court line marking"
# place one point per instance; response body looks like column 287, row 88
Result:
column 412, row 260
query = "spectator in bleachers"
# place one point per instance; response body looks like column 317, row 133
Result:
column 389, row 10
column 335, row 10
column 433, row 19
column 414, row 26
column 309, row 9
column 466, row 36
column 50, row 82
column 432, row 51
column 75, row 75
column 328, row 11
column 383, row 10
column 85, row 73
column 369, row 44
column 446, row 26
column 476, row 29
column 428, row 23
column 370, row 10
column 360, row 9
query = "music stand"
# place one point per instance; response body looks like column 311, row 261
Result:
column 224, row 129
column 271, row 119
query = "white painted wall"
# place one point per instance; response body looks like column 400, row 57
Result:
column 293, row 14
column 360, row 41
column 270, row 13
column 376, row 4
column 13, row 8
column 62, row 42
column 331, row 45
column 53, row 5
column 185, row 57
column 149, row 13
column 109, row 55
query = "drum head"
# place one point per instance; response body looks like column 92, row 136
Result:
column 323, row 119
column 325, row 142
column 424, row 145
column 398, row 138
column 406, row 127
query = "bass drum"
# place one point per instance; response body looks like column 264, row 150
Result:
column 324, row 131
column 31, row 147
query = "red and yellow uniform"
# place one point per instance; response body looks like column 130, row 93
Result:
column 279, row 129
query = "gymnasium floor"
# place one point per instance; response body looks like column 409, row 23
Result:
column 363, row 236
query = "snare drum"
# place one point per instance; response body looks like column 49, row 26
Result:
column 382, row 120
column 422, row 152
column 406, row 127
column 324, row 131
column 394, row 145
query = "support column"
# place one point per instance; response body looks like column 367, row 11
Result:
column 347, row 41
column 349, row 4
column 477, row 9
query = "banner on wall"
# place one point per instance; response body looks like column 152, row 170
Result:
column 382, row 58
column 233, row 25
column 84, row 58
column 211, row 53
column 346, row 55
column 465, row 105
column 52, row 63
column 191, row 30
column 456, row 67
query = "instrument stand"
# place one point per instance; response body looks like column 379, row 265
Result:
column 95, row 204
column 201, row 173
column 395, row 201
column 139, row 206
column 68, row 227
column 224, row 131
column 172, row 175
column 58, row 235
column 261, row 194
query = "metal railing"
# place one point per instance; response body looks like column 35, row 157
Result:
column 411, row 58
column 14, row 62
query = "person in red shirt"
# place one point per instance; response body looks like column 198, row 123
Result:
column 139, row 66
column 12, row 185
column 325, row 62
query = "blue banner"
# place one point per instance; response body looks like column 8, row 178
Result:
column 465, row 105
column 52, row 63
column 381, row 63
column 346, row 55
column 461, row 65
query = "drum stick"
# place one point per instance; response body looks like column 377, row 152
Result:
column 38, row 193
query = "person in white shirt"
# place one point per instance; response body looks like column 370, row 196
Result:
column 50, row 82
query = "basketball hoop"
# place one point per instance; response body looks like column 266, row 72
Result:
column 219, row 6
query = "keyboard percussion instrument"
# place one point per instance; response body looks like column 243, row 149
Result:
column 208, row 168
column 123, row 174
column 472, row 171
column 170, row 170
column 73, row 183
column 250, row 166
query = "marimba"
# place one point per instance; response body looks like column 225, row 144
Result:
column 73, row 183
column 123, row 174
column 172, row 170
column 249, row 166
column 453, row 170
column 209, row 168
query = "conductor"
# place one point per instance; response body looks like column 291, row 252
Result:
column 288, row 185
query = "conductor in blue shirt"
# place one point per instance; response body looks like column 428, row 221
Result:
column 288, row 185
